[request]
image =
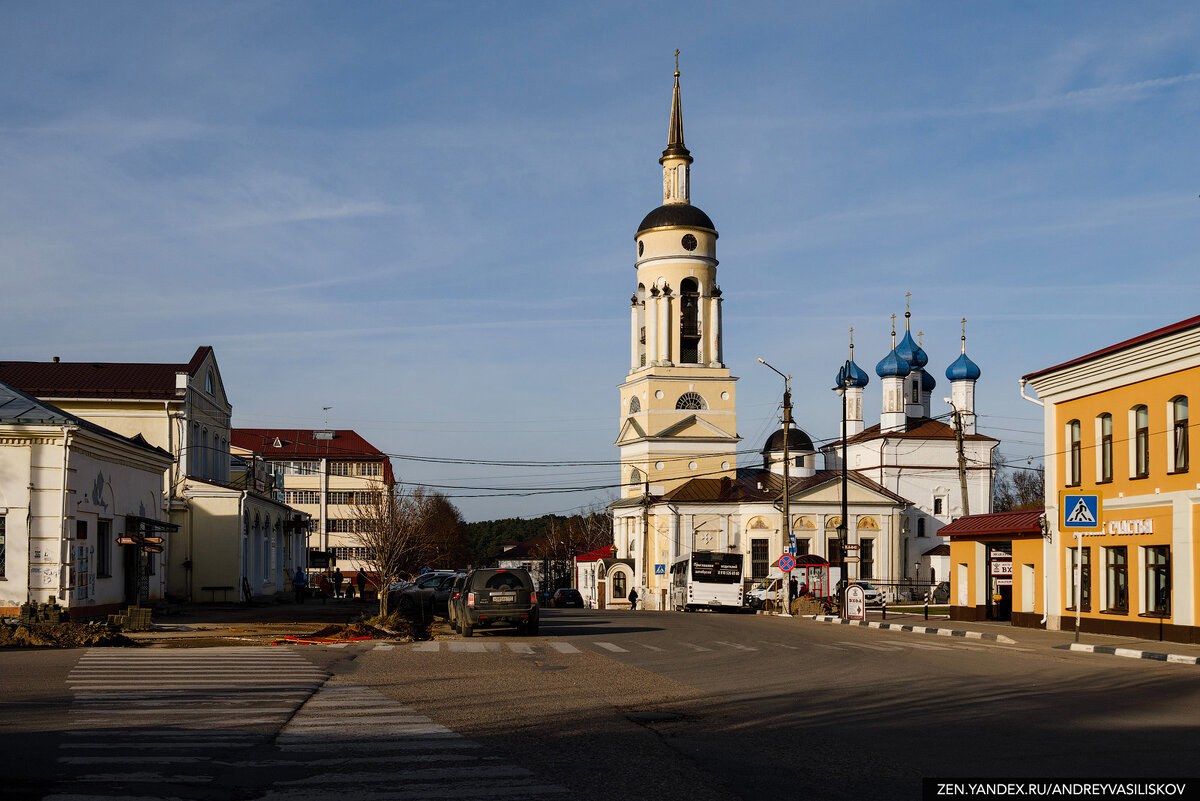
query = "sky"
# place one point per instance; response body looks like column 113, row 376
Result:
column 422, row 215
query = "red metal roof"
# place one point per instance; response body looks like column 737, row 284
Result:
column 302, row 444
column 1025, row 522
column 918, row 428
column 99, row 379
column 598, row 554
column 1174, row 328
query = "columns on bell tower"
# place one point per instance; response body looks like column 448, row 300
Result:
column 715, row 356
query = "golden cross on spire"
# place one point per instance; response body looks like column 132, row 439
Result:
column 964, row 324
column 907, row 303
column 677, row 62
column 893, row 325
column 920, row 339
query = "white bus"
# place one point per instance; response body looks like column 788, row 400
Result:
column 706, row 580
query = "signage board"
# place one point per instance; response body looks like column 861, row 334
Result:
column 1001, row 568
column 856, row 603
column 786, row 563
column 1079, row 511
column 660, row 570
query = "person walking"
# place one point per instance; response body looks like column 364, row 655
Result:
column 338, row 578
column 299, row 584
column 361, row 580
column 323, row 587
column 633, row 599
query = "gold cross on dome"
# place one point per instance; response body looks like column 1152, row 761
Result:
column 893, row 325
column 677, row 59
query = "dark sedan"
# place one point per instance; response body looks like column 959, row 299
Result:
column 568, row 597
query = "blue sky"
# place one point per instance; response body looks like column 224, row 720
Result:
column 422, row 215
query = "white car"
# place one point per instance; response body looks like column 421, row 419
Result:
column 871, row 593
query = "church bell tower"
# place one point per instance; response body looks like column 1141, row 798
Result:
column 678, row 417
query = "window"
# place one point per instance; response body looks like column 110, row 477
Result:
column 1074, row 454
column 1082, row 592
column 803, row 546
column 300, row 469
column 341, row 526
column 635, row 405
column 689, row 322
column 866, row 558
column 690, row 400
column 1116, row 579
column 1179, row 434
column 618, row 582
column 1141, row 442
column 834, row 551
column 937, row 506
column 302, row 496
column 355, row 469
column 921, row 527
column 1106, row 448
column 760, row 558
column 3, row 555
column 341, row 469
column 341, row 497
column 104, row 540
column 1158, row 580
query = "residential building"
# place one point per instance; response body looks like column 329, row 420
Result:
column 1117, row 427
column 71, row 492
column 183, row 409
column 326, row 474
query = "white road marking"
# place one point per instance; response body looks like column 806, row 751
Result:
column 564, row 648
column 869, row 646
column 608, row 646
column 694, row 647
column 738, row 646
column 651, row 647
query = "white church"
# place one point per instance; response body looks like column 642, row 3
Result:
column 682, row 487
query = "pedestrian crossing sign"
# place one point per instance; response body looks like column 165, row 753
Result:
column 1079, row 512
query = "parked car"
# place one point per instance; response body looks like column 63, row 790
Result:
column 762, row 591
column 427, row 595
column 568, row 596
column 452, row 602
column 871, row 593
column 941, row 593
column 494, row 595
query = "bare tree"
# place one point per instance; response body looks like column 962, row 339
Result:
column 393, row 528
column 1018, row 487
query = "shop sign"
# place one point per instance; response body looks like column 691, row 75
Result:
column 1145, row 526
column 1004, row 582
column 856, row 603
column 1001, row 568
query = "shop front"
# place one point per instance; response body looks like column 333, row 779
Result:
column 996, row 567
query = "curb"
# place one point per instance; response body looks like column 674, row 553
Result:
column 970, row 635
column 1131, row 653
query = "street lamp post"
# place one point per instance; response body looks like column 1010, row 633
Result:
column 845, row 382
column 786, row 528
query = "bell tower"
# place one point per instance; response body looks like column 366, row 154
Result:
column 678, row 415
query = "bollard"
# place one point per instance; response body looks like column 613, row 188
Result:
column 927, row 609
column 883, row 607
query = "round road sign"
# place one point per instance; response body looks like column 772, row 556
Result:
column 786, row 563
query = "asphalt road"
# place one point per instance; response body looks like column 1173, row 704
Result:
column 602, row 705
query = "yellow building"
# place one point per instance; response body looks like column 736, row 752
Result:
column 1117, row 426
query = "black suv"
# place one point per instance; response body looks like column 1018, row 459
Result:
column 496, row 595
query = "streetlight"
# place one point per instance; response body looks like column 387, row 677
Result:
column 845, row 382
column 786, row 528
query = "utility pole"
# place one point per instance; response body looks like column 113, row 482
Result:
column 962, row 459
column 645, row 538
column 786, row 528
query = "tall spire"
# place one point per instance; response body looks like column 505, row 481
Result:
column 675, row 147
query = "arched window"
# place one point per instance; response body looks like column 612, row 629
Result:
column 689, row 321
column 619, row 585
column 1179, row 434
column 690, row 400
column 1141, row 442
column 204, row 453
column 635, row 405
column 1106, row 447
column 640, row 300
column 636, row 478
column 1074, row 454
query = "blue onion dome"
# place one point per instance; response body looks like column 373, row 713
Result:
column 963, row 369
column 927, row 382
column 861, row 379
column 893, row 366
column 911, row 352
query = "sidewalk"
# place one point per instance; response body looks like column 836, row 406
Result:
column 1104, row 645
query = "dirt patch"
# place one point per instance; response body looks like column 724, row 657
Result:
column 396, row 630
column 62, row 635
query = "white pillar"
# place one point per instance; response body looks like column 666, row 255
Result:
column 634, row 336
column 664, row 333
column 652, row 355
column 718, row 334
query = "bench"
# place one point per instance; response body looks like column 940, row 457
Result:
column 213, row 590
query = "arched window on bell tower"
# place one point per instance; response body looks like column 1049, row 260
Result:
column 641, row 324
column 689, row 321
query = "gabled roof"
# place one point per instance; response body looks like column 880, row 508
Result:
column 302, row 443
column 1174, row 328
column 918, row 428
column 598, row 554
column 1024, row 522
column 759, row 485
column 20, row 408
column 99, row 379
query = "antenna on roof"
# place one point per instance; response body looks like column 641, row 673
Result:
column 325, row 433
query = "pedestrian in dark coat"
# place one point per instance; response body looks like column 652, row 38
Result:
column 323, row 587
column 299, row 584
column 633, row 596
column 361, row 580
column 338, row 578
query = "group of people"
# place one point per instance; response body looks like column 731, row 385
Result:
column 327, row 584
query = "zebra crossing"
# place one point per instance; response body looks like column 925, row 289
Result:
column 256, row 722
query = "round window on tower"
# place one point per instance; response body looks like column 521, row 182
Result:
column 641, row 247
column 688, row 242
